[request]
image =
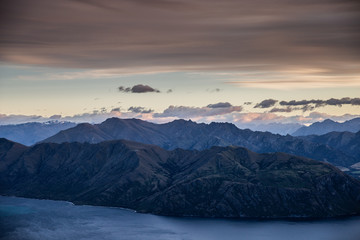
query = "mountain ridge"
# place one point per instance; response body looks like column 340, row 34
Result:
column 217, row 182
column 348, row 142
column 328, row 125
column 200, row 136
column 33, row 132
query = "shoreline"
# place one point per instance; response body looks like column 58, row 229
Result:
column 260, row 219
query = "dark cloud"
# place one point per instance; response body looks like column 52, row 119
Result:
column 314, row 103
column 193, row 112
column 140, row 110
column 247, row 103
column 266, row 103
column 287, row 110
column 220, row 105
column 306, row 108
column 301, row 102
column 124, row 89
column 169, row 91
column 140, row 88
column 183, row 35
column 309, row 105
column 115, row 109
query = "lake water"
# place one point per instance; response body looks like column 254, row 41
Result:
column 31, row 219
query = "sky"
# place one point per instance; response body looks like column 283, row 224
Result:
column 246, row 62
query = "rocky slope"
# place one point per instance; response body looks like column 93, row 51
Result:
column 218, row 182
column 190, row 135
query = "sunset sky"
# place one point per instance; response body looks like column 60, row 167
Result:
column 239, row 61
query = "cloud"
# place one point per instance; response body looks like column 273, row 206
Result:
column 257, row 117
column 220, row 105
column 198, row 112
column 140, row 88
column 306, row 105
column 124, row 89
column 311, row 41
column 17, row 119
column 301, row 102
column 305, row 108
column 289, row 109
column 286, row 110
column 140, row 110
column 232, row 114
column 169, row 91
column 320, row 103
column 266, row 103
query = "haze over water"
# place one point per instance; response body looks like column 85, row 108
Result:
column 30, row 219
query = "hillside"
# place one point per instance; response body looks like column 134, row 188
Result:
column 218, row 182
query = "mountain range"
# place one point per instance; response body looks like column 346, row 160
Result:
column 328, row 125
column 217, row 182
column 344, row 141
column 33, row 132
column 190, row 135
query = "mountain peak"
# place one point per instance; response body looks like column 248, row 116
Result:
column 328, row 121
column 182, row 121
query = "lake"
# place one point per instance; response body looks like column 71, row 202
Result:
column 30, row 219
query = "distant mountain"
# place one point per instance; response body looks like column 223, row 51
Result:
column 347, row 142
column 31, row 133
column 218, row 182
column 320, row 128
column 276, row 128
column 190, row 135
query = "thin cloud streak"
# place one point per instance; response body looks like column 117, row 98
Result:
column 321, row 103
column 136, row 36
column 196, row 112
column 306, row 105
column 296, row 82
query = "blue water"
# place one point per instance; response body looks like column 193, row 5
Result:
column 31, row 219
